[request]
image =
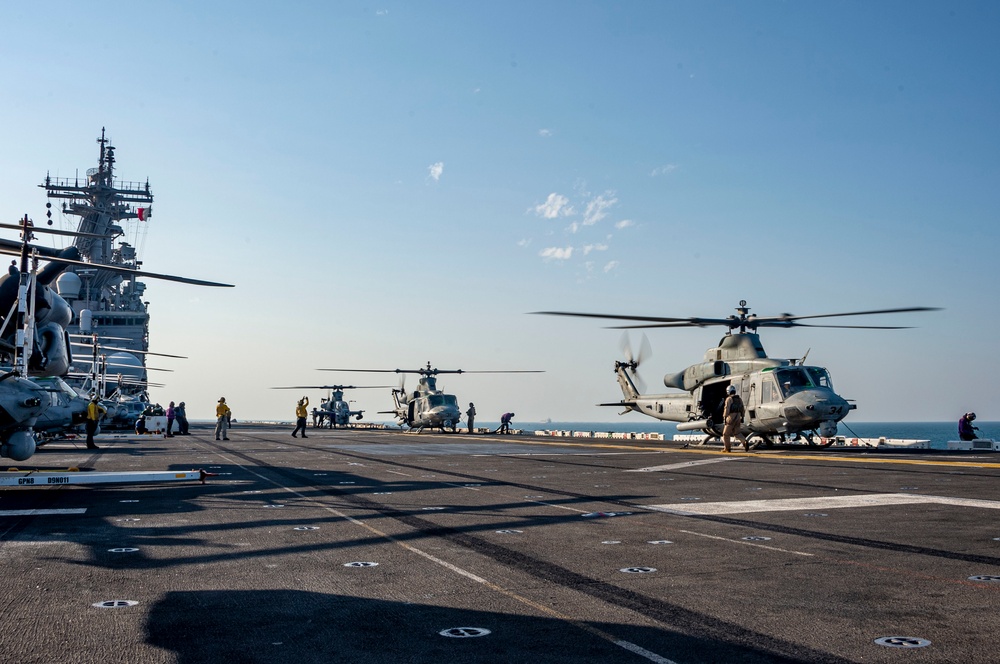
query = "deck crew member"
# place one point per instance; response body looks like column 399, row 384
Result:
column 965, row 429
column 95, row 411
column 300, row 415
column 222, row 415
column 732, row 416
column 471, row 413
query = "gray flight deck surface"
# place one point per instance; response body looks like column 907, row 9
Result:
column 557, row 547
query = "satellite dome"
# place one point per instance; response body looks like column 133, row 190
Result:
column 125, row 364
column 68, row 285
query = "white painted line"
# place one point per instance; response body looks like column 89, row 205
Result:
column 541, row 608
column 642, row 652
column 678, row 466
column 41, row 512
column 745, row 543
column 819, row 503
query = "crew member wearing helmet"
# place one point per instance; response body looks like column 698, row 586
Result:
column 300, row 417
column 732, row 417
column 222, row 414
column 95, row 411
column 965, row 429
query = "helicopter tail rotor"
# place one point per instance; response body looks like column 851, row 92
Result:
column 633, row 360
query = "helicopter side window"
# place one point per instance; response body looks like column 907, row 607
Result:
column 820, row 377
column 769, row 392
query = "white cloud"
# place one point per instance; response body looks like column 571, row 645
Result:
column 523, row 243
column 556, row 253
column 573, row 227
column 598, row 208
column 594, row 247
column 545, row 132
column 663, row 170
column 556, row 205
column 624, row 223
column 435, row 170
column 611, row 265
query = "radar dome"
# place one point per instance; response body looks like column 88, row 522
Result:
column 68, row 286
column 125, row 364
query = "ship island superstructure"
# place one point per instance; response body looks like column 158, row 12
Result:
column 107, row 304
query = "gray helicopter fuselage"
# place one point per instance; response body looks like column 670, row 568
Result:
column 337, row 410
column 780, row 396
column 427, row 407
column 66, row 408
column 21, row 403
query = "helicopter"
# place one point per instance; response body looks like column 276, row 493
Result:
column 427, row 406
column 66, row 408
column 33, row 336
column 335, row 411
column 785, row 399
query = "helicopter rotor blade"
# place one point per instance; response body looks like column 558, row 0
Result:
column 56, row 231
column 654, row 321
column 733, row 322
column 778, row 321
column 100, row 337
column 128, row 350
column 333, row 387
column 6, row 248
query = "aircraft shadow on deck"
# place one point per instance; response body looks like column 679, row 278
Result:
column 303, row 626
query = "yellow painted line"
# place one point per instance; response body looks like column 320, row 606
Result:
column 771, row 455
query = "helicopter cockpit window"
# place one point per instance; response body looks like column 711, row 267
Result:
column 451, row 400
column 792, row 380
column 435, row 400
column 820, row 377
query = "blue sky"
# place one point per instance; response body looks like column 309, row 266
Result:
column 394, row 183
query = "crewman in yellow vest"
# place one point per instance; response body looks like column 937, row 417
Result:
column 95, row 411
column 222, row 415
column 300, row 415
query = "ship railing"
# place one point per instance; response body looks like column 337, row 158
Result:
column 121, row 185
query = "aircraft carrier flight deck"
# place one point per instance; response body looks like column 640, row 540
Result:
column 382, row 546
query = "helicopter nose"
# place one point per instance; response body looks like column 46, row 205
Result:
column 809, row 406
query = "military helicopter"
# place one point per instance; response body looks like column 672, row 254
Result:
column 33, row 335
column 785, row 399
column 66, row 408
column 427, row 406
column 335, row 411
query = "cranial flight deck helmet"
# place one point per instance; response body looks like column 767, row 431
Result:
column 731, row 389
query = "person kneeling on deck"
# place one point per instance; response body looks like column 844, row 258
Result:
column 732, row 416
column 965, row 429
column 140, row 425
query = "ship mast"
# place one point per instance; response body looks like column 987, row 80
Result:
column 106, row 302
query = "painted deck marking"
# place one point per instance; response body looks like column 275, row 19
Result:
column 81, row 510
column 679, row 466
column 824, row 502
